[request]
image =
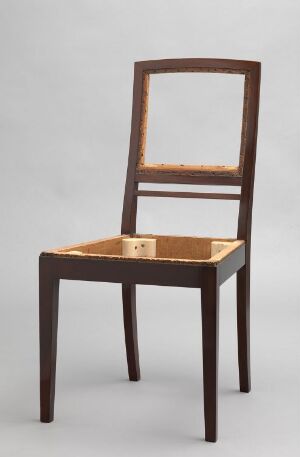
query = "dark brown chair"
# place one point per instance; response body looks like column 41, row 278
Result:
column 180, row 261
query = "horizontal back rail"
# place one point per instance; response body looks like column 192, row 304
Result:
column 173, row 178
column 171, row 194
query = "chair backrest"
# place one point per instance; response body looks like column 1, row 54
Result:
column 241, row 175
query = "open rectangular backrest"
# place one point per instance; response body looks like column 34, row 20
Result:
column 240, row 174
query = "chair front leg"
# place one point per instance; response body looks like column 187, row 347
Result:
column 48, row 306
column 210, row 348
column 130, row 327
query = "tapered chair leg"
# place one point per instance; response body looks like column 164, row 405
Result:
column 243, row 326
column 210, row 345
column 130, row 327
column 49, row 290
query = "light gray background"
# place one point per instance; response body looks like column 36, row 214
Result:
column 66, row 90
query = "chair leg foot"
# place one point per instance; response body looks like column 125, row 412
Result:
column 243, row 327
column 130, row 327
column 48, row 308
column 210, row 343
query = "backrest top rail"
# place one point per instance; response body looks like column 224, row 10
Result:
column 197, row 64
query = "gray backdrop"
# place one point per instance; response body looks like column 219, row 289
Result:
column 66, row 91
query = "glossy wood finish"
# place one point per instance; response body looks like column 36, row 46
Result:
column 171, row 273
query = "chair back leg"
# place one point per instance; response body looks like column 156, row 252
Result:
column 130, row 328
column 243, row 326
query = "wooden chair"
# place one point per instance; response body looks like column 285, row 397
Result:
column 180, row 261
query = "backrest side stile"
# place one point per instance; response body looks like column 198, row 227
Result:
column 245, row 210
column 240, row 175
column 130, row 199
